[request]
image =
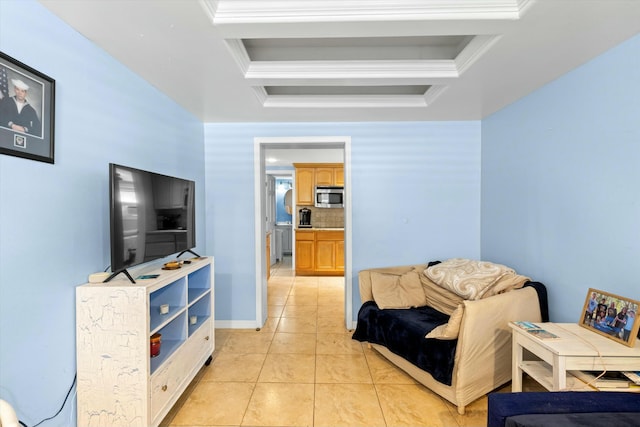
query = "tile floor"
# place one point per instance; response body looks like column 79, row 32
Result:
column 303, row 369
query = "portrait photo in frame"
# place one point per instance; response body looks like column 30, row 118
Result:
column 611, row 315
column 27, row 111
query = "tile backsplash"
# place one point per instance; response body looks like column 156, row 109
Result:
column 324, row 217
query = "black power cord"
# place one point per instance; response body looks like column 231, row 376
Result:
column 75, row 377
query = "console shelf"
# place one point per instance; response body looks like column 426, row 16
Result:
column 114, row 324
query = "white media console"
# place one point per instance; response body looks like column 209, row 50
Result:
column 119, row 383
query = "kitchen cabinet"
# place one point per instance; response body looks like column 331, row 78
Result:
column 305, row 249
column 329, row 249
column 330, row 175
column 319, row 252
column 305, row 191
column 340, row 255
column 310, row 175
column 120, row 380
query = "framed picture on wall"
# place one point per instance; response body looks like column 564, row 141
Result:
column 610, row 315
column 27, row 104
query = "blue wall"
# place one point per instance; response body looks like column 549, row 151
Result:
column 415, row 191
column 282, row 186
column 561, row 182
column 54, row 219
column 559, row 193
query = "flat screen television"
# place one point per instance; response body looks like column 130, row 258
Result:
column 152, row 216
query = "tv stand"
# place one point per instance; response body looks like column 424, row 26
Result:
column 119, row 381
column 190, row 251
column 115, row 273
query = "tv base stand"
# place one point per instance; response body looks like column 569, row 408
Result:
column 115, row 273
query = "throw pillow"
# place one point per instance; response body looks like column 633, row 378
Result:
column 450, row 330
column 397, row 291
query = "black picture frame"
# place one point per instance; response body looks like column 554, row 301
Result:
column 28, row 132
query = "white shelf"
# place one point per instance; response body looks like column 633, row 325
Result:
column 543, row 374
column 114, row 323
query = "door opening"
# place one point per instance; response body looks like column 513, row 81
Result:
column 261, row 147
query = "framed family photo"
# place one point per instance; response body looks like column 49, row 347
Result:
column 611, row 315
column 27, row 107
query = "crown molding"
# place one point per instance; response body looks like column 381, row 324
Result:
column 282, row 11
column 363, row 101
column 477, row 47
column 210, row 8
column 350, row 71
column 359, row 101
column 239, row 54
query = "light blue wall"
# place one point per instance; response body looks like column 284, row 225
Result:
column 415, row 191
column 561, row 182
column 54, row 219
column 282, row 186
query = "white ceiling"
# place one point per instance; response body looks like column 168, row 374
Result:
column 350, row 60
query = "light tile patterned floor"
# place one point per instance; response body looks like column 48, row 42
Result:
column 303, row 369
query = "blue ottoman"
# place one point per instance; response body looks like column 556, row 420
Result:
column 563, row 409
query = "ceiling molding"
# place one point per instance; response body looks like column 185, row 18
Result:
column 229, row 12
column 239, row 54
column 355, row 101
column 370, row 101
column 274, row 71
column 210, row 7
column 477, row 47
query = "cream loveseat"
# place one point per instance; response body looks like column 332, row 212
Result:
column 473, row 304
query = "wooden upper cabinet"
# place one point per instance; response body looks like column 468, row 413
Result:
column 325, row 176
column 338, row 176
column 305, row 179
column 309, row 175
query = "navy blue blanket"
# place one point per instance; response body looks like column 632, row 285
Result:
column 403, row 332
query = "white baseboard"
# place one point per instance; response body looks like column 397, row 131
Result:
column 235, row 324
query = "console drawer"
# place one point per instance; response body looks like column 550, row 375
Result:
column 166, row 381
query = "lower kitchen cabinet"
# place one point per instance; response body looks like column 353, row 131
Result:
column 305, row 250
column 320, row 253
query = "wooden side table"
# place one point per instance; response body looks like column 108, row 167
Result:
column 576, row 348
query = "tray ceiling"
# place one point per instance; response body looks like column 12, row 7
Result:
column 350, row 60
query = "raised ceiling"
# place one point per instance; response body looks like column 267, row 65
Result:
column 350, row 60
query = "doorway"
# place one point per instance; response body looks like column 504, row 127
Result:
column 261, row 145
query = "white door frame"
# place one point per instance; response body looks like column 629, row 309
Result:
column 259, row 170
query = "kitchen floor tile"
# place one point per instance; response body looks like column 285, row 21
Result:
column 284, row 343
column 280, row 404
column 215, row 404
column 347, row 405
column 342, row 368
column 416, row 407
column 288, row 368
column 234, row 367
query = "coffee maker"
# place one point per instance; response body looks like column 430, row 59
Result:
column 305, row 218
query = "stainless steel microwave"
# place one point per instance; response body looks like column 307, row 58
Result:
column 329, row 197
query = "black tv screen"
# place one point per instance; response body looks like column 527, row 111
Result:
column 152, row 216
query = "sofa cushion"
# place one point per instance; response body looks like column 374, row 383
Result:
column 473, row 279
column 397, row 291
column 450, row 330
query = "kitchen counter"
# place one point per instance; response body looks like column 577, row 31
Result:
column 321, row 228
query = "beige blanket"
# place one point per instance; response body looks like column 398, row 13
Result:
column 473, row 279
